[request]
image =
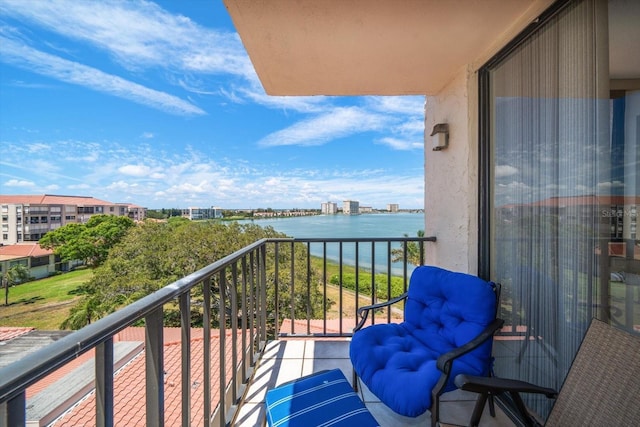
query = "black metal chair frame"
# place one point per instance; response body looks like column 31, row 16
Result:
column 445, row 361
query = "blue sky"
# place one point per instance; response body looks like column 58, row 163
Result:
column 158, row 104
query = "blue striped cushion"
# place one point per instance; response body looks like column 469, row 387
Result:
column 322, row 399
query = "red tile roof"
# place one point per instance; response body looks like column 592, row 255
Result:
column 7, row 333
column 129, row 385
column 23, row 250
column 53, row 199
column 171, row 335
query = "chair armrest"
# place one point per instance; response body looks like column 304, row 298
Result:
column 363, row 312
column 445, row 360
column 494, row 385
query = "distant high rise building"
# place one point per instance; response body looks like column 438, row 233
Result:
column 393, row 207
column 351, row 207
column 329, row 208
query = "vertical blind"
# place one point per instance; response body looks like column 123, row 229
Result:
column 550, row 176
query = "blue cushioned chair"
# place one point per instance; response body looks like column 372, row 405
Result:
column 450, row 319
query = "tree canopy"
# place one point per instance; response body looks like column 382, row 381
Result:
column 90, row 241
column 154, row 255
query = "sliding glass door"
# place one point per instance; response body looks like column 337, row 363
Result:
column 563, row 150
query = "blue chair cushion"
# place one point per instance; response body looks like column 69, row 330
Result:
column 444, row 310
column 321, row 399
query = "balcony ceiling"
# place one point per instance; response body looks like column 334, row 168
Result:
column 371, row 47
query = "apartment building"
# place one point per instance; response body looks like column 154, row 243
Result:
column 195, row 214
column 26, row 218
column 393, row 207
column 351, row 207
column 39, row 262
column 329, row 208
column 136, row 213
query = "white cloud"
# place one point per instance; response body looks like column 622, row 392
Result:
column 38, row 147
column 61, row 69
column 401, row 144
column 19, row 183
column 302, row 104
column 411, row 127
column 505, row 170
column 79, row 186
column 147, row 135
column 137, row 33
column 187, row 188
column 405, row 105
column 515, row 186
column 29, row 85
column 337, row 123
column 121, row 185
column 135, row 170
column 610, row 185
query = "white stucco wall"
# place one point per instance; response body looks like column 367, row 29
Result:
column 451, row 177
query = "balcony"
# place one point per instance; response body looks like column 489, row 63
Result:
column 253, row 337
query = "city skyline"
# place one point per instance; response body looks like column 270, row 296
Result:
column 158, row 104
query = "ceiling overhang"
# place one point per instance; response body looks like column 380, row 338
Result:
column 372, row 47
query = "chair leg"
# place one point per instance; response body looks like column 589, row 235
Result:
column 355, row 381
column 435, row 411
column 526, row 418
column 478, row 409
column 492, row 405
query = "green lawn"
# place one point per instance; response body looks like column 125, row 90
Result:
column 42, row 304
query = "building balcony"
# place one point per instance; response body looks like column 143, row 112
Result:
column 252, row 337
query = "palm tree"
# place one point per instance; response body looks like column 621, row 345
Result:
column 412, row 250
column 15, row 275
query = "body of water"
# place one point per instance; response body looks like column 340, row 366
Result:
column 351, row 226
column 345, row 226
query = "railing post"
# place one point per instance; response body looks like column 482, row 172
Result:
column 341, row 279
column 308, row 301
column 389, row 296
column 292, row 304
column 324, row 287
column 357, row 285
column 206, row 345
column 154, row 368
column 233, row 298
column 104, row 383
column 276, row 290
column 263, row 294
column 185, row 348
column 13, row 413
column 244, row 319
column 374, row 295
column 222, row 354
column 404, row 267
column 252, row 307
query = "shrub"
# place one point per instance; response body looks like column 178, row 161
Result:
column 364, row 284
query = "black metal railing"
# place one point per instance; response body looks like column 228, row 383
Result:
column 248, row 295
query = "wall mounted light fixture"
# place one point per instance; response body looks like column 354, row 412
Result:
column 440, row 136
